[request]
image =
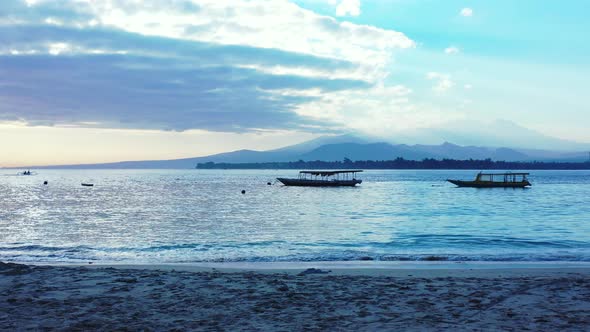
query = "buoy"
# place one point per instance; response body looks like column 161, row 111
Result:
column 45, row 182
column 243, row 191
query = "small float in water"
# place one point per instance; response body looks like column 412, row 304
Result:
column 323, row 179
column 495, row 180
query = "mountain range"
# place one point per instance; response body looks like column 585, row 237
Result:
column 333, row 148
column 496, row 133
column 499, row 140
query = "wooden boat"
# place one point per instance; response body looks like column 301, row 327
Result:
column 495, row 180
column 345, row 178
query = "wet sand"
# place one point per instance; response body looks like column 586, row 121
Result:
column 230, row 298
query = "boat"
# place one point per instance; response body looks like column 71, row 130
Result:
column 345, row 178
column 88, row 184
column 28, row 172
column 495, row 180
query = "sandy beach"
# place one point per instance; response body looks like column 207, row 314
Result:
column 205, row 298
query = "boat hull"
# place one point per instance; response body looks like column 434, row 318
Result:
column 319, row 183
column 490, row 184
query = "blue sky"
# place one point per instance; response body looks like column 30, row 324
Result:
column 93, row 81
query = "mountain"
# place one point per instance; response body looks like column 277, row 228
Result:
column 386, row 151
column 453, row 151
column 547, row 155
column 372, row 151
column 289, row 153
column 323, row 140
column 498, row 133
column 240, row 156
column 497, row 140
column 333, row 148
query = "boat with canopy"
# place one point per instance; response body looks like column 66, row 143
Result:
column 344, row 178
column 495, row 180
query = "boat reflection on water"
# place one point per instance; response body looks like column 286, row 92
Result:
column 344, row 178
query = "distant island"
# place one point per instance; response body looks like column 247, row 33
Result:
column 401, row 163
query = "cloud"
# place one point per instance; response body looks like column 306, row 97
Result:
column 277, row 24
column 452, row 50
column 467, row 12
column 39, row 39
column 378, row 111
column 443, row 81
column 122, row 91
column 348, row 7
column 175, row 65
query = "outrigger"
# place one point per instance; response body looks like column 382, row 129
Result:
column 495, row 180
column 345, row 178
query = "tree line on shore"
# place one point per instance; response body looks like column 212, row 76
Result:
column 401, row 163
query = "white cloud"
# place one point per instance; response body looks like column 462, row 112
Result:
column 377, row 110
column 360, row 52
column 51, row 20
column 452, row 50
column 276, row 24
column 282, row 25
column 270, row 24
column 467, row 12
column 58, row 48
column 304, row 71
column 31, row 2
column 349, row 7
column 443, row 81
column 13, row 51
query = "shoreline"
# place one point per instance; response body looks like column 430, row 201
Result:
column 368, row 268
column 190, row 297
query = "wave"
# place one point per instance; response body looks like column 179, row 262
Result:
column 267, row 252
column 446, row 240
column 364, row 256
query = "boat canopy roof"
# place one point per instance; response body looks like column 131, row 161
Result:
column 329, row 173
column 509, row 173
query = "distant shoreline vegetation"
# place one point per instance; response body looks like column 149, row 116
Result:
column 401, row 163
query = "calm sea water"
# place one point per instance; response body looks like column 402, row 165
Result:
column 168, row 216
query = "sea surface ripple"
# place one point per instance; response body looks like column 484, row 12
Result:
column 186, row 216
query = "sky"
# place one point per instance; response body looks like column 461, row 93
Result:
column 96, row 81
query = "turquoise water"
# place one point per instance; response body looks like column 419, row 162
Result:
column 171, row 216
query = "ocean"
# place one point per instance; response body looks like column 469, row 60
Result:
column 192, row 216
